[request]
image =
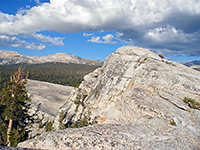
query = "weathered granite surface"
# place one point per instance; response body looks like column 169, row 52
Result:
column 112, row 136
column 138, row 90
column 14, row 148
column 135, row 84
column 50, row 97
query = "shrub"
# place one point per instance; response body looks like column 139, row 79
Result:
column 161, row 56
column 82, row 123
column 49, row 126
column 79, row 101
column 61, row 118
column 40, row 123
column 172, row 122
column 192, row 103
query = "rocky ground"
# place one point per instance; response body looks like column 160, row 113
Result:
column 138, row 96
column 46, row 99
column 50, row 96
column 112, row 136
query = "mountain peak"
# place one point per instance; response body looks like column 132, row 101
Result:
column 6, row 53
column 192, row 63
column 12, row 57
column 132, row 50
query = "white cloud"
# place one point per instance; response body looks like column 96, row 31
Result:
column 172, row 41
column 96, row 39
column 76, row 15
column 143, row 22
column 118, row 35
column 37, row 1
column 87, row 34
column 166, row 34
column 55, row 41
column 107, row 39
column 6, row 41
column 6, row 17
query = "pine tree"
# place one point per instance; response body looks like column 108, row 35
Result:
column 14, row 117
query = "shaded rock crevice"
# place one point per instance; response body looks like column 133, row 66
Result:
column 181, row 108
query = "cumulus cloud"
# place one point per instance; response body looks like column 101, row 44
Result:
column 76, row 15
column 6, row 41
column 168, row 34
column 107, row 39
column 55, row 41
column 6, row 18
column 172, row 39
column 37, row 1
column 95, row 39
column 174, row 23
column 87, row 34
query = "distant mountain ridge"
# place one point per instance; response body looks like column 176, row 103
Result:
column 192, row 63
column 12, row 57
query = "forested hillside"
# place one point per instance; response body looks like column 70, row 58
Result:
column 64, row 74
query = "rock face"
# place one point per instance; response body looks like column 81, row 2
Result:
column 11, row 57
column 142, row 93
column 51, row 96
column 46, row 99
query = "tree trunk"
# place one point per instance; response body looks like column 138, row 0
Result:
column 8, row 132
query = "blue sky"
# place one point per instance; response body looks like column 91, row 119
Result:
column 93, row 29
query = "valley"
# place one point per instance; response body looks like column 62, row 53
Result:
column 59, row 73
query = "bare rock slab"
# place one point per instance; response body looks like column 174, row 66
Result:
column 138, row 96
column 50, row 96
column 112, row 136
